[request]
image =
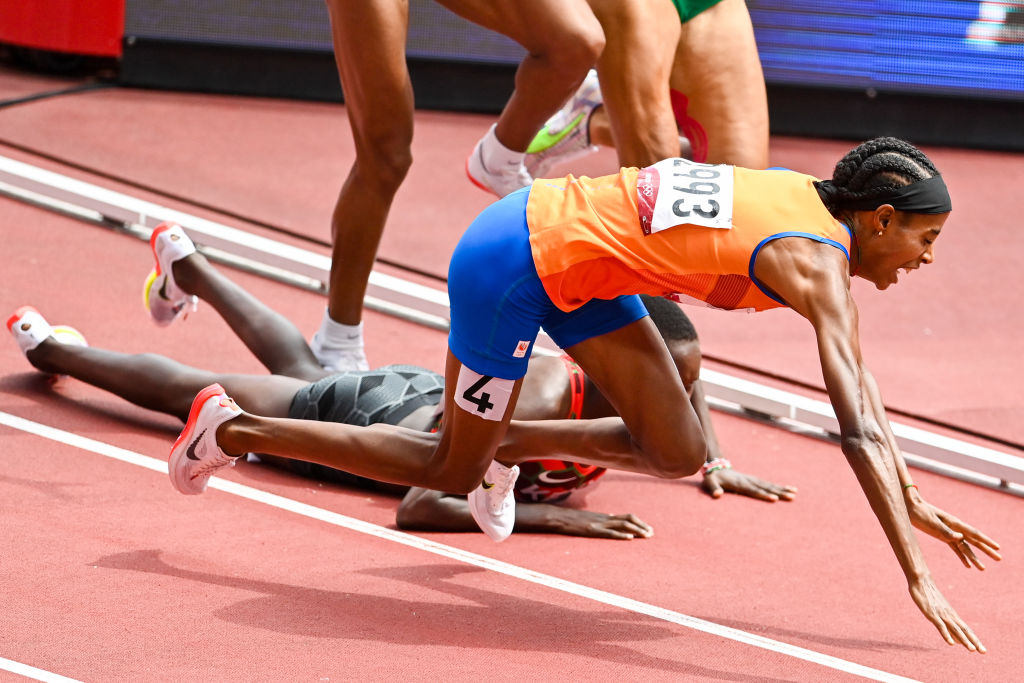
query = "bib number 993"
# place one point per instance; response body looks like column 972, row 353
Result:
column 677, row 192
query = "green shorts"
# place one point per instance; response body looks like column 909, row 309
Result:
column 688, row 9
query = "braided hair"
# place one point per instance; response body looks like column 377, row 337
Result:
column 874, row 169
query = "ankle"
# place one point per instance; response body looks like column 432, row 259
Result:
column 335, row 335
column 495, row 155
column 186, row 270
column 230, row 435
column 599, row 131
column 41, row 357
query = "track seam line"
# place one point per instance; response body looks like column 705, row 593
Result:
column 482, row 561
column 32, row 672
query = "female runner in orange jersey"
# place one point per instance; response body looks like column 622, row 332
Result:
column 570, row 256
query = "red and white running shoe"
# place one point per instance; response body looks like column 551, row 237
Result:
column 195, row 456
column 164, row 299
column 29, row 329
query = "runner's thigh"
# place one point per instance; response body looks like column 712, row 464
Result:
column 369, row 49
column 718, row 68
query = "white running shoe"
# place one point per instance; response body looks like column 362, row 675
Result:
column 195, row 456
column 166, row 301
column 30, row 329
column 503, row 180
column 493, row 503
column 566, row 136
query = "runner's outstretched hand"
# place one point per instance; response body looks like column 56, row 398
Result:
column 719, row 482
column 958, row 535
column 938, row 611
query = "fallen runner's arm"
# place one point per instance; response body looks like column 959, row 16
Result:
column 426, row 510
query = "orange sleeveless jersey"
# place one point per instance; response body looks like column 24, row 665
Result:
column 588, row 241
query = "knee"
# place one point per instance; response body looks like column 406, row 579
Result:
column 386, row 167
column 383, row 157
column 461, row 486
column 680, row 461
column 447, row 473
column 573, row 52
column 458, row 481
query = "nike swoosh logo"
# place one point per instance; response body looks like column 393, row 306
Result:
column 546, row 139
column 485, row 485
column 190, row 452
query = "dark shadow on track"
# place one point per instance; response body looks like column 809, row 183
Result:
column 312, row 612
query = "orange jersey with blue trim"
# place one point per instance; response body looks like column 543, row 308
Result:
column 679, row 229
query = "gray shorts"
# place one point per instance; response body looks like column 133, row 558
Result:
column 382, row 396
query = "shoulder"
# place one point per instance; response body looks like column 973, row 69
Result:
column 802, row 271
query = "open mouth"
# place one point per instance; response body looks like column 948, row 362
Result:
column 905, row 269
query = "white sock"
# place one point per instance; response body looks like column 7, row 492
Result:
column 335, row 335
column 497, row 156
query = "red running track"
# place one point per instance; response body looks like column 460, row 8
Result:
column 110, row 574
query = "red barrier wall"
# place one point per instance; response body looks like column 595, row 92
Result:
column 86, row 27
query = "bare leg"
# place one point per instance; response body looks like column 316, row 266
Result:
column 272, row 338
column 634, row 71
column 159, row 383
column 454, row 459
column 717, row 67
column 369, row 49
column 563, row 41
column 659, row 433
column 599, row 128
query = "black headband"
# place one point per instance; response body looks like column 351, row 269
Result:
column 922, row 196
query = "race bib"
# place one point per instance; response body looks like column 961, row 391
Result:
column 677, row 192
column 483, row 396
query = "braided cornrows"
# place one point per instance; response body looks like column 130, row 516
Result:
column 874, row 169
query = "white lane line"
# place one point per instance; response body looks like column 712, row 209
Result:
column 450, row 552
column 34, row 673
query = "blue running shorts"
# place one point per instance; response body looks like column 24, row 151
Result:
column 498, row 303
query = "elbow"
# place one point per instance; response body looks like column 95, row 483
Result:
column 864, row 446
column 416, row 506
column 408, row 520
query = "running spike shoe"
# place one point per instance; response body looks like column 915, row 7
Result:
column 29, row 329
column 493, row 503
column 566, row 136
column 164, row 300
column 502, row 180
column 195, row 456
